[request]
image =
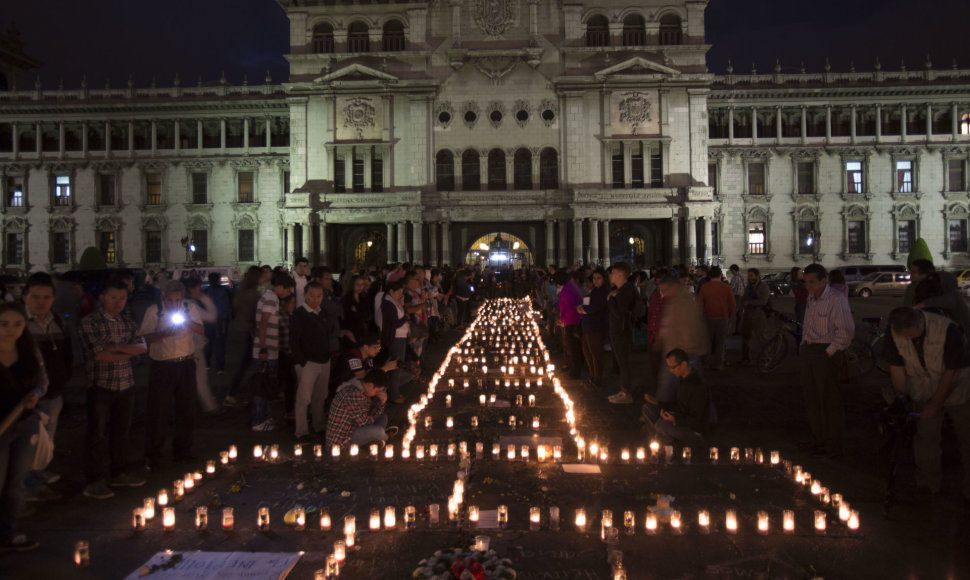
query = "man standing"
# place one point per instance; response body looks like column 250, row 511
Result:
column 927, row 358
column 357, row 413
column 827, row 332
column 737, row 288
column 717, row 303
column 684, row 419
column 310, row 344
column 54, row 344
column 109, row 338
column 217, row 333
column 301, row 270
column 620, row 304
column 170, row 331
column 266, row 344
column 754, row 319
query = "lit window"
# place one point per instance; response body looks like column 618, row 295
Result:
column 807, row 237
column 965, row 124
column 153, row 183
column 246, row 181
column 106, row 243
column 853, row 176
column 62, row 190
column 756, row 238
column 904, row 176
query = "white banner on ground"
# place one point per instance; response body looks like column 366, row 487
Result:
column 217, row 565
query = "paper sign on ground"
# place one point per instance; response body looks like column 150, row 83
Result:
column 580, row 468
column 218, row 565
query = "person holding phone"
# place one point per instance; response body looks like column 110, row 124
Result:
column 684, row 419
column 169, row 330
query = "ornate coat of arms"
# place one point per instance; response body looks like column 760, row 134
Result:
column 359, row 114
column 494, row 16
column 635, row 110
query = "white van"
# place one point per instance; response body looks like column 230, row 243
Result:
column 231, row 275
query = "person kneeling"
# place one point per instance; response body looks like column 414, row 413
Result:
column 357, row 413
column 685, row 419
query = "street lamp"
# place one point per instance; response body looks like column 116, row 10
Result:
column 632, row 242
column 812, row 242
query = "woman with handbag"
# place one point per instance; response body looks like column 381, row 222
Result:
column 22, row 383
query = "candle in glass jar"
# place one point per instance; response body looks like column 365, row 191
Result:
column 651, row 523
column 210, row 468
column 148, row 506
column 641, row 454
column 496, row 450
column 731, row 521
column 713, row 455
column 224, row 457
column 541, row 453
column 433, row 452
column 685, row 455
column 816, row 487
column 178, row 489
column 735, row 455
column 433, row 514
column 820, row 522
column 340, row 550
column 479, row 449
column 168, row 518
column 853, row 521
column 233, row 452
column 410, row 517
column 335, row 452
column 581, row 519
column 512, row 422
column 318, row 452
column 375, row 519
column 759, row 456
column 625, row 455
column 532, row 400
column 389, row 452
column 473, row 515
column 606, row 524
column 188, row 482
column 82, row 554
column 675, row 522
column 511, row 452
column 788, row 521
column 274, row 452
column 629, row 522
column 419, row 453
column 534, row 518
column 554, row 518
column 704, row 521
column 762, row 522
column 390, row 517
column 350, row 525
column 427, row 423
column 262, row 519
column 481, row 543
column 374, row 448
column 201, row 517
column 557, row 452
column 604, row 454
column 297, row 450
column 481, row 400
column 655, row 450
column 844, row 511
column 450, row 451
column 525, row 453
column 775, row 458
column 138, row 519
column 491, row 399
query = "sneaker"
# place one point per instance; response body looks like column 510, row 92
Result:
column 41, row 493
column 19, row 543
column 266, row 425
column 391, row 431
column 98, row 490
column 126, row 480
column 621, row 398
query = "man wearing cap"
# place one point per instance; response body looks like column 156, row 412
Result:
column 169, row 330
column 357, row 362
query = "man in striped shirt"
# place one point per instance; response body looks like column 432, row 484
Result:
column 826, row 334
column 266, row 344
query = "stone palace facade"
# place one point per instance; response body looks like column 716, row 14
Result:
column 519, row 131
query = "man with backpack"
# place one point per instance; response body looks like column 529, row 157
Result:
column 626, row 308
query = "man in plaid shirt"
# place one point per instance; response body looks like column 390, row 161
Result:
column 109, row 337
column 357, row 413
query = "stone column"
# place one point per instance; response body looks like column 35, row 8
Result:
column 348, row 154
column 578, row 240
column 199, row 133
column 433, row 244
column 15, row 144
column 416, row 242
column 675, row 256
column 562, row 258
column 246, row 133
column 605, row 244
column 691, row 239
column 730, row 125
column 804, row 124
column 550, row 243
column 177, row 136
column 61, row 144
column 268, row 137
column 929, row 121
column 878, row 123
column 324, row 255
column 131, row 138
column 778, row 132
column 954, row 126
column 754, row 123
column 594, row 241
column 708, row 241
column 402, row 241
column 307, row 241
column 902, row 122
column 222, row 133
column 828, row 123
column 289, row 256
column 107, row 139
column 391, row 233
column 852, row 121
column 446, row 243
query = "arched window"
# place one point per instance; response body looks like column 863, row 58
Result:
column 597, row 31
column 322, row 38
column 548, row 169
column 471, row 171
column 670, row 29
column 445, row 170
column 965, row 124
column 358, row 37
column 496, row 170
column 634, row 31
column 393, row 37
column 522, row 169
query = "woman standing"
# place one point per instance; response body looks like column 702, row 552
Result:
column 595, row 324
column 394, row 335
column 22, row 383
column 357, row 312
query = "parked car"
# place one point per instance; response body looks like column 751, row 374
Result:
column 778, row 284
column 855, row 273
column 962, row 274
column 880, row 284
column 231, row 275
column 14, row 282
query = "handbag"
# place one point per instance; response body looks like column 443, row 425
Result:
column 44, row 452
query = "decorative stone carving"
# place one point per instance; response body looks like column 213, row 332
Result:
column 357, row 119
column 494, row 16
column 471, row 107
column 493, row 108
column 548, row 105
column 444, row 121
column 495, row 67
column 635, row 112
column 522, row 105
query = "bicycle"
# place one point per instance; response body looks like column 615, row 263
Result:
column 875, row 330
column 860, row 357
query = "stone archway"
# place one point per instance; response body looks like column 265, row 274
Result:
column 370, row 251
column 499, row 250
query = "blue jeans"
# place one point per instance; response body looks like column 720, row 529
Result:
column 52, row 407
column 239, row 346
column 368, row 433
column 16, row 456
column 260, row 408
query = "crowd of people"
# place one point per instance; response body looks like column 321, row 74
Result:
column 337, row 352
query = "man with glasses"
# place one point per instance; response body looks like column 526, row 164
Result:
column 684, row 419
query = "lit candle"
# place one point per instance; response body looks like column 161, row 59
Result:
column 405, row 453
column 604, row 454
column 350, row 540
column 148, row 506
column 233, row 453
column 298, row 450
column 775, row 458
column 557, row 453
column 333, row 567
column 481, row 399
column 735, row 455
column 274, row 452
column 228, row 521
column 82, row 554
column 816, row 487
column 853, row 522
column 427, row 423
column 335, row 452
column 759, row 456
column 748, row 455
column 629, row 522
column 350, row 525
column 788, row 521
column 299, row 517
column 354, row 450
column 704, row 521
column 820, row 522
column 481, row 543
column 641, row 455
column 491, row 399
column 479, row 449
column 263, row 518
column 836, row 499
column 512, row 422
column 534, row 518
column 201, row 517
column 525, row 453
column 496, row 450
column 503, row 516
column 511, row 452
column 713, row 455
column 224, row 457
column 685, row 454
column 824, row 495
column 581, row 519
column 138, row 519
column 419, row 453
column 318, row 452
column 390, row 517
column 844, row 511
column 606, row 523
column 168, row 518
column 554, row 518
column 433, row 513
column 433, row 452
column 651, row 523
column 668, row 453
column 532, row 399
column 188, row 482
column 373, row 451
column 594, row 451
column 340, row 550
column 465, row 384
column 731, row 521
column 655, row 451
column 474, row 421
column 473, row 515
column 375, row 519
column 325, row 522
column 518, row 400
column 541, row 453
column 675, row 522
column 762, row 522
column 210, row 468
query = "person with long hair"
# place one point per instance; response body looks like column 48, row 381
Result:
column 357, row 311
column 22, row 383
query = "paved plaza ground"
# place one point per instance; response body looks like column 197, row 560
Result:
column 918, row 538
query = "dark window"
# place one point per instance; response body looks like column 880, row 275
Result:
column 496, row 170
column 164, row 135
column 376, row 172
column 471, row 171
column 445, row 170
column 712, row 176
column 246, row 187
column 62, row 190
column 597, row 31
column 106, row 189
column 15, row 248
column 200, row 188
column 106, row 243
column 72, row 137
column 60, row 248
column 15, row 192
column 286, row 182
column 96, row 137
column 806, row 177
column 280, row 129
column 200, row 239
column 495, row 116
column 548, row 168
column 636, row 169
column 634, row 31
column 670, row 29
column 444, row 117
column 806, row 237
column 617, row 171
column 153, row 187
column 211, row 134
column 28, row 138
column 357, row 179
column 548, row 115
column 322, row 38
column 339, row 174
column 656, row 170
column 393, row 36
column 906, row 234
column 856, row 235
column 715, row 239
column 234, row 133
column 50, row 138
column 188, row 134
column 247, row 245
column 119, row 136
column 957, row 179
column 522, row 169
column 958, row 235
column 522, row 116
column 153, row 247
column 471, row 116
column 904, row 176
column 358, row 37
column 756, row 238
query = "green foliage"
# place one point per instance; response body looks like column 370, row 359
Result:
column 920, row 251
column 92, row 259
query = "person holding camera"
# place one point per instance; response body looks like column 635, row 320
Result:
column 169, row 330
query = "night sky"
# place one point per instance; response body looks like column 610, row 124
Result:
column 115, row 38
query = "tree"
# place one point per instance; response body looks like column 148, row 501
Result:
column 92, row 259
column 920, row 251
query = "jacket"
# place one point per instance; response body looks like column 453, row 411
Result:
column 309, row 336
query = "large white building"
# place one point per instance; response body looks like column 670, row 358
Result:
column 419, row 130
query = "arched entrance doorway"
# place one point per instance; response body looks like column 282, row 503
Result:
column 499, row 250
column 371, row 249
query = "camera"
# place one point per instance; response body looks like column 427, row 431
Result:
column 177, row 318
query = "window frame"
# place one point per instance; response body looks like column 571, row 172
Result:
column 62, row 195
column 160, row 201
column 239, row 244
column 239, row 184
column 8, row 180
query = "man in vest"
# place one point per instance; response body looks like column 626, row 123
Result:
column 927, row 361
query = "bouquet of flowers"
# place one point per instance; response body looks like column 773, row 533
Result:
column 459, row 564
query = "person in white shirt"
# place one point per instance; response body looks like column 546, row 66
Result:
column 208, row 315
column 301, row 271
